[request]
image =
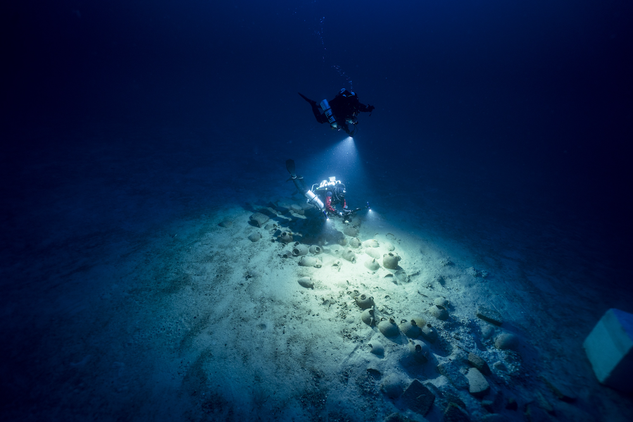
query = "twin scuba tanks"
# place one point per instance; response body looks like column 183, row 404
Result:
column 325, row 108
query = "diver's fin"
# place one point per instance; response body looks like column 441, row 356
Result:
column 307, row 99
column 290, row 165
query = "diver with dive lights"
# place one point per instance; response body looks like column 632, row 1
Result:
column 341, row 111
column 325, row 195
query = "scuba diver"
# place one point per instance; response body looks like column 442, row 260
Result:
column 325, row 195
column 341, row 112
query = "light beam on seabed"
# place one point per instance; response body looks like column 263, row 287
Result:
column 341, row 161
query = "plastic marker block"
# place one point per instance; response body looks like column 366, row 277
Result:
column 609, row 348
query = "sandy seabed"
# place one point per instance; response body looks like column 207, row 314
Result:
column 192, row 320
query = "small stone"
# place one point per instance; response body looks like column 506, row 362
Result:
column 499, row 366
column 512, row 404
column 454, row 414
column 254, row 237
column 477, row 384
column 418, row 397
column 489, row 315
column 479, row 363
column 487, row 331
column 507, row 341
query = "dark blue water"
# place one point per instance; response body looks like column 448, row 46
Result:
column 502, row 124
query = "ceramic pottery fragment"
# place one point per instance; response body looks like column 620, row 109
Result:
column 254, row 237
column 315, row 249
column 349, row 255
column 372, row 265
column 225, row 223
column 410, row 328
column 390, row 260
column 300, row 250
column 364, row 301
column 259, row 219
column 310, row 261
column 388, row 327
column 306, row 282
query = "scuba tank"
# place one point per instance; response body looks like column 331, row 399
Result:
column 325, row 107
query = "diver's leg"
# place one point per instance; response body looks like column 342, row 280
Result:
column 321, row 118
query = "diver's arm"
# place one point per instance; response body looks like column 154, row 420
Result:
column 365, row 108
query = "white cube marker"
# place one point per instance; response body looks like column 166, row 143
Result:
column 609, row 348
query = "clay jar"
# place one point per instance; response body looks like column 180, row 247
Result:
column 419, row 350
column 388, row 328
column 371, row 243
column 354, row 242
column 306, row 282
column 506, row 341
column 310, row 261
column 390, row 260
column 364, row 301
column 372, row 265
column 349, row 255
column 438, row 312
column 285, row 237
column 368, row 317
column 315, row 249
column 374, row 253
column 300, row 250
column 429, row 334
column 376, row 348
column 410, row 328
column 351, row 231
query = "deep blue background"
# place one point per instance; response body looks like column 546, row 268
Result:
column 528, row 99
